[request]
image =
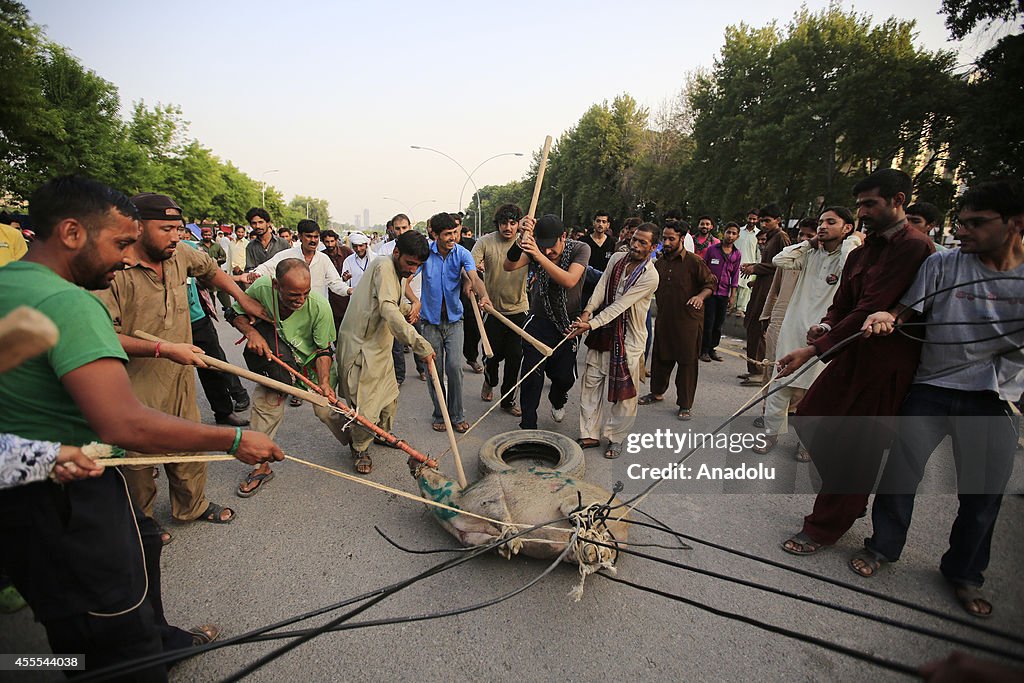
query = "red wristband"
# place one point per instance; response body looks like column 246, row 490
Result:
column 156, row 354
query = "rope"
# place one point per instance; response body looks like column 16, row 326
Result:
column 497, row 404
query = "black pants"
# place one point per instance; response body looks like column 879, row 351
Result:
column 508, row 348
column 141, row 632
column 984, row 440
column 714, row 317
column 470, row 331
column 221, row 389
column 560, row 369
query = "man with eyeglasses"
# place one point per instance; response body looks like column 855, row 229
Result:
column 845, row 419
column 963, row 387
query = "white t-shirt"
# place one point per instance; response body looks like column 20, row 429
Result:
column 322, row 273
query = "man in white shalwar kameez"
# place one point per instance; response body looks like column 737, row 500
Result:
column 819, row 262
column 618, row 337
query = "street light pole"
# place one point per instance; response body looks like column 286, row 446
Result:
column 469, row 177
column 408, row 209
column 263, row 191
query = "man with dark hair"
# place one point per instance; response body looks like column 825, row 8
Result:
column 323, row 274
column 616, row 317
column 443, row 312
column 470, row 331
column 926, row 219
column 673, row 219
column 764, row 270
column 264, row 243
column 151, row 295
column 815, row 265
column 376, row 317
column 845, row 418
column 602, row 246
column 554, row 304
column 400, row 225
column 286, row 235
column 303, row 329
column 962, row 388
column 704, row 238
column 508, row 296
column 87, row 563
column 238, row 250
column 684, row 283
column 723, row 260
column 747, row 244
column 336, row 250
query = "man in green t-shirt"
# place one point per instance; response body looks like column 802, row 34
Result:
column 82, row 557
column 304, row 324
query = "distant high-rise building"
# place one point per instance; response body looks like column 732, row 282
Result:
column 366, row 218
column 356, row 222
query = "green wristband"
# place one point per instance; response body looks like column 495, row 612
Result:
column 234, row 444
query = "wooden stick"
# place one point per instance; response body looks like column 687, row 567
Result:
column 540, row 176
column 488, row 351
column 247, row 374
column 163, row 459
column 459, row 473
column 537, row 344
column 25, row 333
column 304, row 395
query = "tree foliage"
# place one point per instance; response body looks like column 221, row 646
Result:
column 796, row 115
column 58, row 117
column 962, row 16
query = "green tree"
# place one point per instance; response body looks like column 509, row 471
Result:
column 316, row 209
column 793, row 116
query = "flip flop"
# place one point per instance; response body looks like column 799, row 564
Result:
column 588, row 443
column 648, row 399
column 614, row 450
column 808, row 546
column 439, row 427
column 461, row 427
column 260, row 477
column 362, row 462
column 165, row 535
column 204, row 635
column 871, row 563
column 969, row 596
column 212, row 514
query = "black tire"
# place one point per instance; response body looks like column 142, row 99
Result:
column 513, row 449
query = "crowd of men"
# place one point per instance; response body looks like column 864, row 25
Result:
column 343, row 310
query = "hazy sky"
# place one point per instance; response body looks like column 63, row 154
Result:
column 332, row 94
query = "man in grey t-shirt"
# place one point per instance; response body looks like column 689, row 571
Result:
column 966, row 379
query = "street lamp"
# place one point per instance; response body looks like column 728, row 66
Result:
column 408, row 209
column 469, row 176
column 263, row 191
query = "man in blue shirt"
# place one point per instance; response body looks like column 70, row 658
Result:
column 442, row 312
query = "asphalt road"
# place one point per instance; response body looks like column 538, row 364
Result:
column 308, row 540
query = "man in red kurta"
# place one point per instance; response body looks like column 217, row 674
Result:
column 845, row 418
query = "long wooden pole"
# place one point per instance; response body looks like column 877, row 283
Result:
column 438, row 390
column 304, row 395
column 484, row 339
column 540, row 177
column 537, row 344
column 25, row 333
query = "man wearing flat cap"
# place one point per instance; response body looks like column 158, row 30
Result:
column 152, row 296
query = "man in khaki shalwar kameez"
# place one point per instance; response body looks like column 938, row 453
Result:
column 374, row 319
column 152, row 296
column 618, row 337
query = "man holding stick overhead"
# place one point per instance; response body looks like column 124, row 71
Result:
column 443, row 312
column 87, row 563
column 375, row 318
column 555, row 303
column 618, row 336
column 508, row 290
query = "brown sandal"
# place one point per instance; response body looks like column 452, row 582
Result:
column 204, row 635
column 439, row 427
column 461, row 427
column 362, row 462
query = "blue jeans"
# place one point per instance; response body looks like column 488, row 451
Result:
column 984, row 441
column 447, row 340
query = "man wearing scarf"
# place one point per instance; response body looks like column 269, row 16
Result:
column 555, row 302
column 618, row 336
